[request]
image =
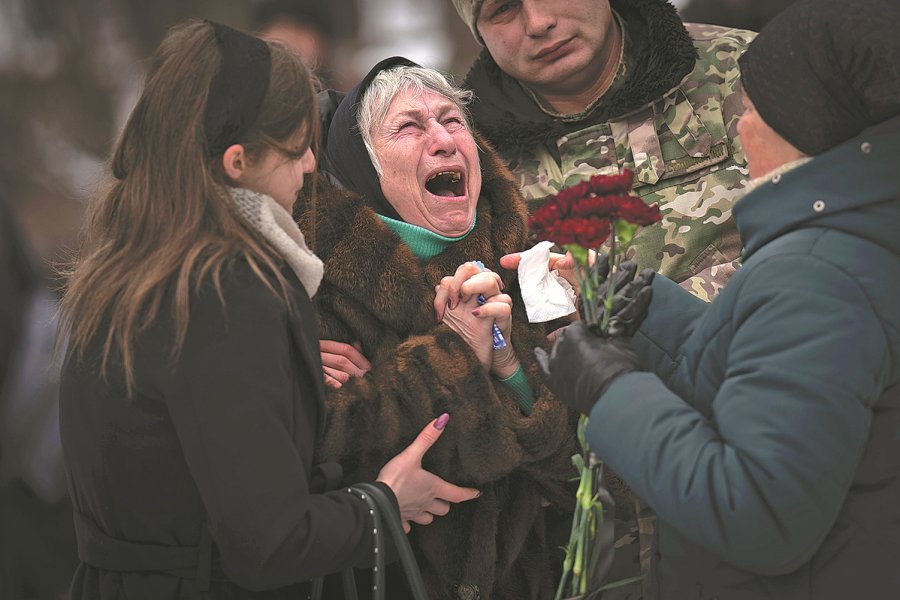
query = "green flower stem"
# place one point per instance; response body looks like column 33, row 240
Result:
column 585, row 547
column 582, row 554
column 583, row 491
column 611, row 286
column 567, row 563
column 587, row 293
column 567, row 569
column 596, row 526
column 587, row 282
column 587, row 494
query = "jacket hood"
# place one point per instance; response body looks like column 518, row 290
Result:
column 852, row 188
column 661, row 56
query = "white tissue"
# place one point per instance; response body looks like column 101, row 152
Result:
column 547, row 296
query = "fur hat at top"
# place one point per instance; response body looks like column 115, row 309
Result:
column 823, row 70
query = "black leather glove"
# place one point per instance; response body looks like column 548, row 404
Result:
column 581, row 365
column 630, row 305
column 631, row 299
column 625, row 273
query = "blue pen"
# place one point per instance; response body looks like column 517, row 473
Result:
column 499, row 341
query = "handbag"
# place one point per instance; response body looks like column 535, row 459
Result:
column 385, row 521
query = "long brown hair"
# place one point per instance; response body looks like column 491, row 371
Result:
column 164, row 223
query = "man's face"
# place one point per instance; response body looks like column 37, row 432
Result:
column 431, row 170
column 555, row 47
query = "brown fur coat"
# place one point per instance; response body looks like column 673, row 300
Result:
column 377, row 293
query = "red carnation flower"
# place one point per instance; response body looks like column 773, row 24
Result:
column 584, row 213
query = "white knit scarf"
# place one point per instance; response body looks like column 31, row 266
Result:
column 276, row 225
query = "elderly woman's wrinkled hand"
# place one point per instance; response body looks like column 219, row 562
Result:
column 464, row 320
column 498, row 309
column 456, row 304
column 469, row 280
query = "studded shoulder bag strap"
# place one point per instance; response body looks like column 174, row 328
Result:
column 385, row 522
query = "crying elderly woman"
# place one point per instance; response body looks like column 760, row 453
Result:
column 419, row 199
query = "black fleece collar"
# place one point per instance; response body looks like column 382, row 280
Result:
column 661, row 56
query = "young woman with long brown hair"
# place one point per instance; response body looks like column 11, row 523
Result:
column 191, row 394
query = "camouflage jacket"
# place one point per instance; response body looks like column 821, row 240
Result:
column 677, row 133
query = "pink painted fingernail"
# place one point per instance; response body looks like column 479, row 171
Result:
column 441, row 421
column 476, row 312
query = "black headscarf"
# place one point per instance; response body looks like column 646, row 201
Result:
column 823, row 70
column 345, row 155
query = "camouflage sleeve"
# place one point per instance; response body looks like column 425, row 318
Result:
column 722, row 47
column 709, row 282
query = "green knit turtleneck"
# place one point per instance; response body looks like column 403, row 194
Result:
column 424, row 244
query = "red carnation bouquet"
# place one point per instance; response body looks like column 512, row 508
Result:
column 581, row 219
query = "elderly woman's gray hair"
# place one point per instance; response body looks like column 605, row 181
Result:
column 388, row 84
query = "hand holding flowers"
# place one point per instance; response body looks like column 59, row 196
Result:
column 581, row 219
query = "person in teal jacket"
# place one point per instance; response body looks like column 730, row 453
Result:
column 764, row 428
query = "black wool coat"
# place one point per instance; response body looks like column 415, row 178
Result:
column 377, row 293
column 220, row 439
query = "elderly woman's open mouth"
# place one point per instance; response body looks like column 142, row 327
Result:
column 446, row 183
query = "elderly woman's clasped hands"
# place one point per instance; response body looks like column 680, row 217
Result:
column 457, row 305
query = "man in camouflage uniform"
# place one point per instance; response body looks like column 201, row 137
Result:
column 669, row 113
column 566, row 89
